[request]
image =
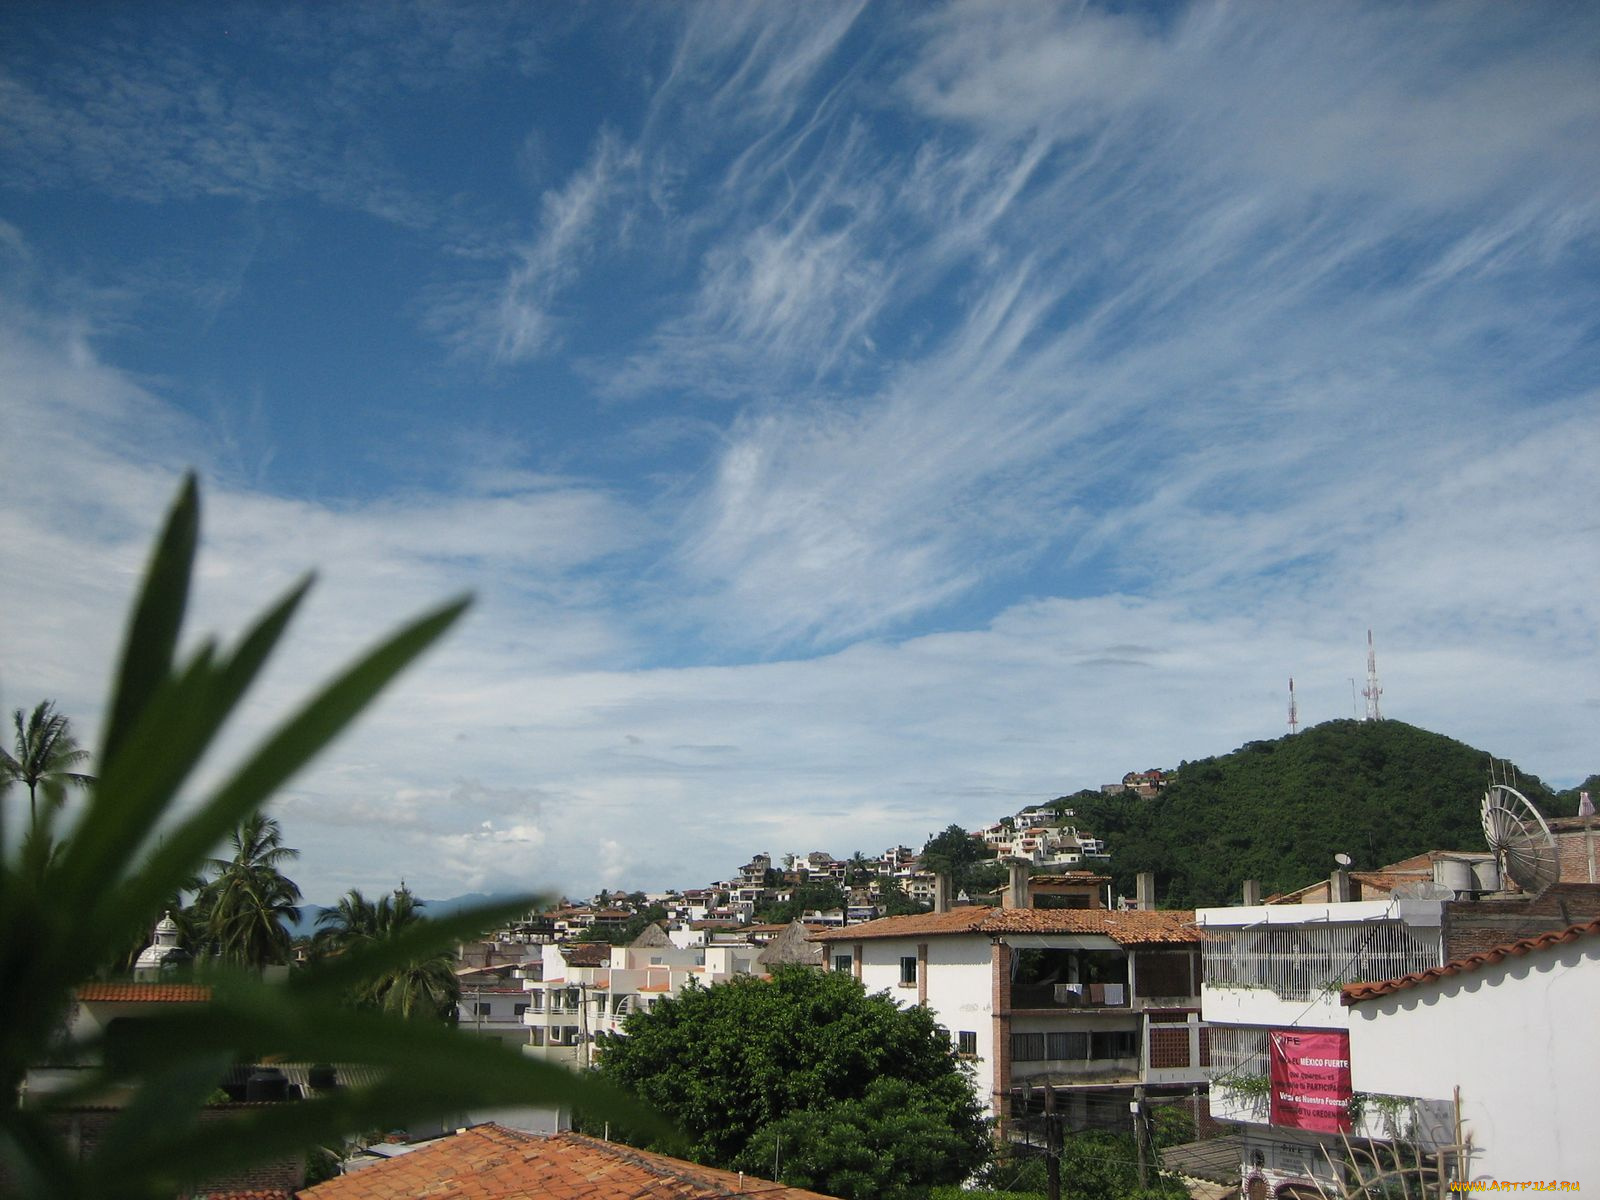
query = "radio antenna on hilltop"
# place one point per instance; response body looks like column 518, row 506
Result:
column 1372, row 690
column 1294, row 710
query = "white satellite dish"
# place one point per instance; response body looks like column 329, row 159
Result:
column 1522, row 843
column 1343, row 859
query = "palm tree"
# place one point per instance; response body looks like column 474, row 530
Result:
column 424, row 988
column 45, row 750
column 250, row 903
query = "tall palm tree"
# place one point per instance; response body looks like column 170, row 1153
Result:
column 45, row 752
column 250, row 903
column 424, row 988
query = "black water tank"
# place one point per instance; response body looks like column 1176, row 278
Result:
column 268, row 1083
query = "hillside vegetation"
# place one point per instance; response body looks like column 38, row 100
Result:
column 1278, row 811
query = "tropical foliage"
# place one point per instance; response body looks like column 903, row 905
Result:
column 246, row 908
column 425, row 987
column 846, row 1092
column 73, row 899
column 44, row 753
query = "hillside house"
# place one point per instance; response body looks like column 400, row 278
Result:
column 1087, row 1002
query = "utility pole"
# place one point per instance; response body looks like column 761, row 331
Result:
column 1136, row 1107
column 1052, row 1144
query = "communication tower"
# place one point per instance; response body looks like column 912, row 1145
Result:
column 1294, row 710
column 1372, row 691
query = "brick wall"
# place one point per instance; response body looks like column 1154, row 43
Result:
column 1473, row 926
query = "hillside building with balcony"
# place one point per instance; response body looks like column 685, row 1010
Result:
column 1086, row 1002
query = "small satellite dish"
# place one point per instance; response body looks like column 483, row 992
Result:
column 1344, row 860
column 1522, row 843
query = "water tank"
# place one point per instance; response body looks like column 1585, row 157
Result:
column 1486, row 875
column 1455, row 874
column 268, row 1083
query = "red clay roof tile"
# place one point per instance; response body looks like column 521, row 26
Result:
column 491, row 1161
column 131, row 993
column 1126, row 928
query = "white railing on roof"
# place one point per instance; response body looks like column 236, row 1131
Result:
column 1301, row 961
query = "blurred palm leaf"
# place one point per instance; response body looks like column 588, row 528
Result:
column 70, row 906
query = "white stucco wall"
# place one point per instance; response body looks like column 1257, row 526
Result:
column 960, row 989
column 1521, row 1039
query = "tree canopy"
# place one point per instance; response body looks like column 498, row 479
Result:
column 955, row 853
column 868, row 1098
column 44, row 752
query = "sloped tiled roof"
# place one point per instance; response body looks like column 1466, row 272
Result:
column 140, row 993
column 587, row 954
column 1126, row 928
column 1355, row 993
column 494, row 1163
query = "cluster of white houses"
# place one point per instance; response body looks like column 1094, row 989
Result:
column 1459, row 1019
column 1428, row 1002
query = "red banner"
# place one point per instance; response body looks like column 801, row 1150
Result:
column 1310, row 1077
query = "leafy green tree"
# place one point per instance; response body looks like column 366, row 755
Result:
column 70, row 905
column 44, row 752
column 729, row 1061
column 893, row 900
column 250, row 902
column 957, row 854
column 821, row 894
column 894, row 1143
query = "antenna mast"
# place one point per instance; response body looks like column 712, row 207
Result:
column 1294, row 710
column 1372, row 691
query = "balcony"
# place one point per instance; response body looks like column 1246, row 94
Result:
column 1069, row 995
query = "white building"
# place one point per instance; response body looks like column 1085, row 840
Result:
column 582, row 991
column 1083, row 1001
column 1278, row 1030
column 1512, row 1032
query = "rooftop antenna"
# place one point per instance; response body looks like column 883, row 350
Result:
column 1372, row 690
column 1355, row 709
column 1294, row 710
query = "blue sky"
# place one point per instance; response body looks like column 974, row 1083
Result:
column 850, row 419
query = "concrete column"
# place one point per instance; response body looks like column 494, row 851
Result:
column 1339, row 886
column 1016, row 894
column 1145, row 891
column 922, row 974
column 1252, row 892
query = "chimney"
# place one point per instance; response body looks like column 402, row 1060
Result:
column 1339, row 886
column 1144, row 891
column 1017, row 889
column 941, row 892
column 1252, row 891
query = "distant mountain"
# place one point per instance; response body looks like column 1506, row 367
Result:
column 1278, row 811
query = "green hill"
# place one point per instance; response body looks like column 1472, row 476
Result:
column 1278, row 811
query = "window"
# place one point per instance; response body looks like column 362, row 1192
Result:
column 908, row 971
column 967, row 1043
column 1027, row 1047
column 482, row 1008
column 1114, row 1043
column 1067, row 1047
column 841, row 962
column 518, row 1010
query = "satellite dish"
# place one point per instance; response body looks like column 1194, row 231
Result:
column 1423, row 889
column 1522, row 843
column 1344, row 860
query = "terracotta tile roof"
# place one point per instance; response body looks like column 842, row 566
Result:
column 132, row 993
column 1355, row 993
column 493, row 1162
column 587, row 954
column 1126, row 928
